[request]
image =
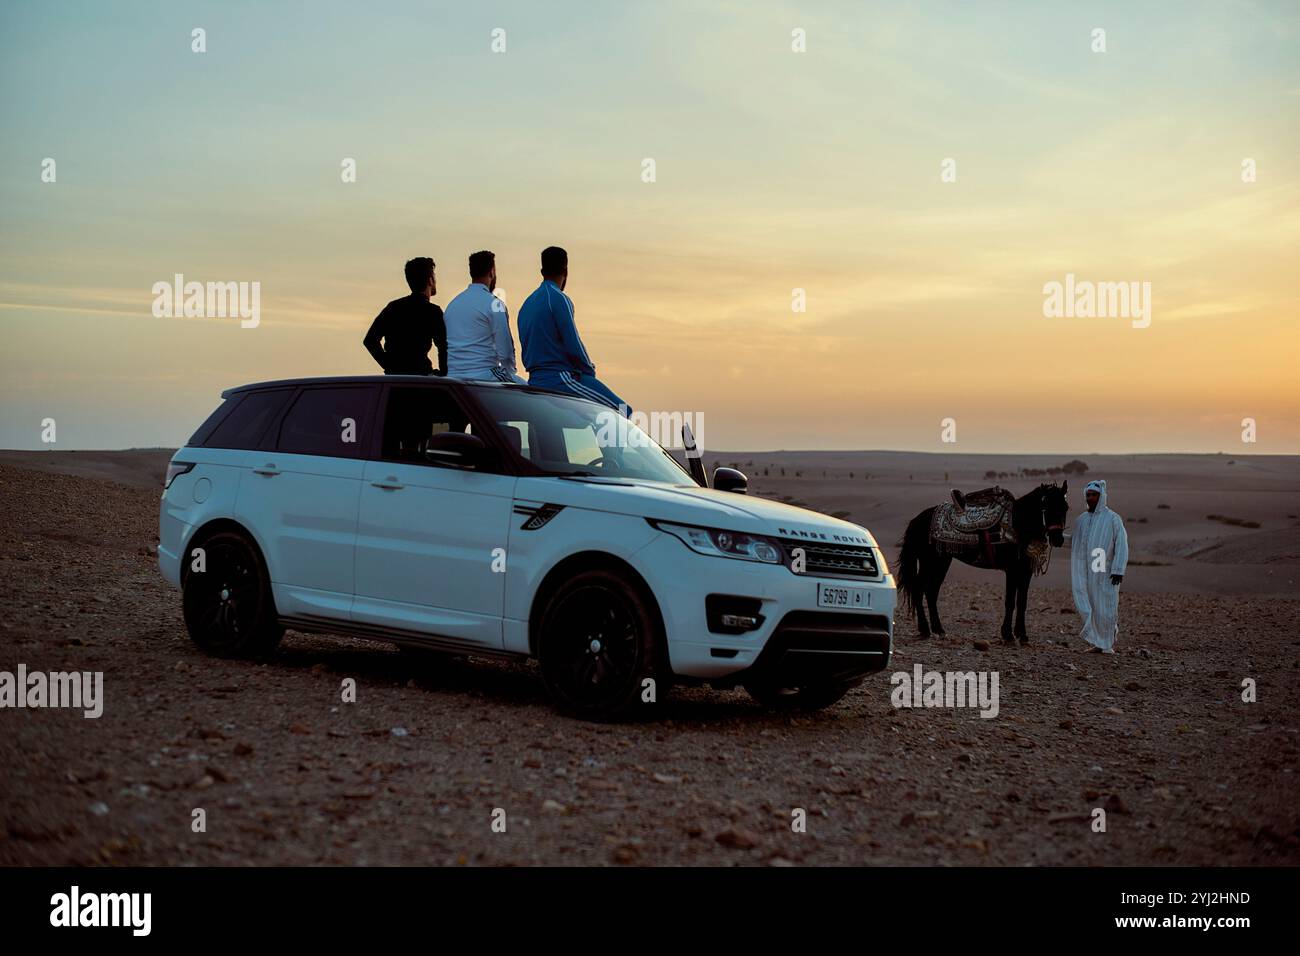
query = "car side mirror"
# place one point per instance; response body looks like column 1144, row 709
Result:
column 729, row 479
column 456, row 450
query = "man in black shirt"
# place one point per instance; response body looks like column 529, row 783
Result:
column 410, row 326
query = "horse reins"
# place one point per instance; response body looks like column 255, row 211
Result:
column 1047, row 530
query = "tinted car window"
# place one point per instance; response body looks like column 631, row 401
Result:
column 522, row 431
column 414, row 415
column 567, row 436
column 328, row 421
column 210, row 423
column 244, row 426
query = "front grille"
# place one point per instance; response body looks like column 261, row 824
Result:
column 834, row 560
column 809, row 646
column 834, row 631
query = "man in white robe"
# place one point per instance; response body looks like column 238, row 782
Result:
column 1098, row 559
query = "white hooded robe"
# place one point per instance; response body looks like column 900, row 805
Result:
column 1095, row 598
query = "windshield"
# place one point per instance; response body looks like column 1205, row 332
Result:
column 571, row 436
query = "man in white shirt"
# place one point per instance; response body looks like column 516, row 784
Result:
column 479, row 343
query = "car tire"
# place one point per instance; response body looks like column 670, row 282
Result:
column 228, row 607
column 599, row 640
column 810, row 697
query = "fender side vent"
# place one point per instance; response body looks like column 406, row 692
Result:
column 537, row 517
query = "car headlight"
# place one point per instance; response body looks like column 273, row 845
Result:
column 724, row 544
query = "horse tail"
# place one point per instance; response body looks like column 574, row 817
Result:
column 915, row 539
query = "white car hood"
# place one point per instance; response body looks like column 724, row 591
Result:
column 689, row 504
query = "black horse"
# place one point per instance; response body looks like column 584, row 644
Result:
column 1038, row 519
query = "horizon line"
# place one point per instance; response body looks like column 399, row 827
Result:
column 803, row 451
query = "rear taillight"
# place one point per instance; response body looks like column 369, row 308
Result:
column 175, row 469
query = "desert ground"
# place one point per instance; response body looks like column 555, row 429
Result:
column 1157, row 735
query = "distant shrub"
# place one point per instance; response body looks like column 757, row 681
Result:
column 1235, row 522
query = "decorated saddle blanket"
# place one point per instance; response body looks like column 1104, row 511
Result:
column 977, row 520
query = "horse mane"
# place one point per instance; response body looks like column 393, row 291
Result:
column 1042, row 489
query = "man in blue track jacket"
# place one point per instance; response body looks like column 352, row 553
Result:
column 553, row 353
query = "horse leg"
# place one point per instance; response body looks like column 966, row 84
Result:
column 918, row 599
column 933, row 582
column 1022, row 599
column 911, row 569
column 1008, row 605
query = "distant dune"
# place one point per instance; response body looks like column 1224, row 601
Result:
column 135, row 467
column 1175, row 549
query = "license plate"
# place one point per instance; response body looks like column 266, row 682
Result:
column 829, row 595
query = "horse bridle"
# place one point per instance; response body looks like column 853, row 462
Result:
column 1049, row 528
column 1047, row 535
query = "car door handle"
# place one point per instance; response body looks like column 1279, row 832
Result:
column 268, row 469
column 389, row 484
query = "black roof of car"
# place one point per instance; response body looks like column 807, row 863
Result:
column 370, row 380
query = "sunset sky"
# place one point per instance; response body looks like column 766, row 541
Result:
column 775, row 170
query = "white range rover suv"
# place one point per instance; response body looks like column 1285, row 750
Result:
column 491, row 519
